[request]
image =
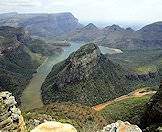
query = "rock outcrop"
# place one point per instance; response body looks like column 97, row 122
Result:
column 153, row 113
column 143, row 77
column 11, row 119
column 54, row 126
column 121, row 126
column 87, row 77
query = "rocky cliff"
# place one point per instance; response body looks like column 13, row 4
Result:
column 86, row 77
column 17, row 62
column 143, row 77
column 152, row 119
column 42, row 25
column 11, row 119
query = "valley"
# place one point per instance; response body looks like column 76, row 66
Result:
column 31, row 97
column 54, row 68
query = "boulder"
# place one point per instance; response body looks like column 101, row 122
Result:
column 121, row 126
column 53, row 126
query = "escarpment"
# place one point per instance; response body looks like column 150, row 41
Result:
column 87, row 77
column 151, row 119
column 16, row 60
column 143, row 77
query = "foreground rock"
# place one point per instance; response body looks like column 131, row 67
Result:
column 10, row 116
column 121, row 126
column 152, row 119
column 54, row 127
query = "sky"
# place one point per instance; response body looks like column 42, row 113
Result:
column 102, row 11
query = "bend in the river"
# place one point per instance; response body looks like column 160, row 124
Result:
column 31, row 97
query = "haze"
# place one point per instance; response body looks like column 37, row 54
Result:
column 99, row 11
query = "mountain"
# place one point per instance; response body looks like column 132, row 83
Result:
column 152, row 31
column 17, row 62
column 88, row 33
column 117, row 37
column 85, row 77
column 42, row 25
column 20, row 56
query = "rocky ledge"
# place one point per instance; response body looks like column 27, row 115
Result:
column 10, row 116
column 121, row 126
column 11, row 120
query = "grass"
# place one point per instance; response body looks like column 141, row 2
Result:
column 35, row 57
column 126, row 110
column 81, row 117
column 145, row 69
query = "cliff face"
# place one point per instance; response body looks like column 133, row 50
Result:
column 143, row 77
column 12, row 38
column 86, row 77
column 42, row 25
column 153, row 113
column 16, row 63
column 10, row 116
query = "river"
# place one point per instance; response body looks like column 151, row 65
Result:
column 31, row 97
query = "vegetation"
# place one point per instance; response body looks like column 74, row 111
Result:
column 85, row 77
column 41, row 47
column 17, row 62
column 129, row 109
column 16, row 69
column 145, row 69
column 141, row 62
column 82, row 117
column 144, row 59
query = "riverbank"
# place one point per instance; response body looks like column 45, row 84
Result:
column 31, row 97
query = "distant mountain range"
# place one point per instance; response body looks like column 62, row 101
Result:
column 114, row 36
column 42, row 25
column 66, row 26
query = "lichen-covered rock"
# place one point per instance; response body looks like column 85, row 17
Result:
column 121, row 126
column 54, row 127
column 10, row 116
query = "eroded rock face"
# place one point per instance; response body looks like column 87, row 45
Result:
column 54, row 127
column 10, row 116
column 153, row 113
column 87, row 76
column 143, row 77
column 121, row 126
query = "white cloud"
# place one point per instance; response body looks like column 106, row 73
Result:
column 92, row 10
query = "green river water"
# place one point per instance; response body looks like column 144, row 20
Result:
column 31, row 97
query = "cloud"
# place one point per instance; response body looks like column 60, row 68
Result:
column 92, row 10
column 19, row 3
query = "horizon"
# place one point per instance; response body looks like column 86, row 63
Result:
column 100, row 12
column 135, row 26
